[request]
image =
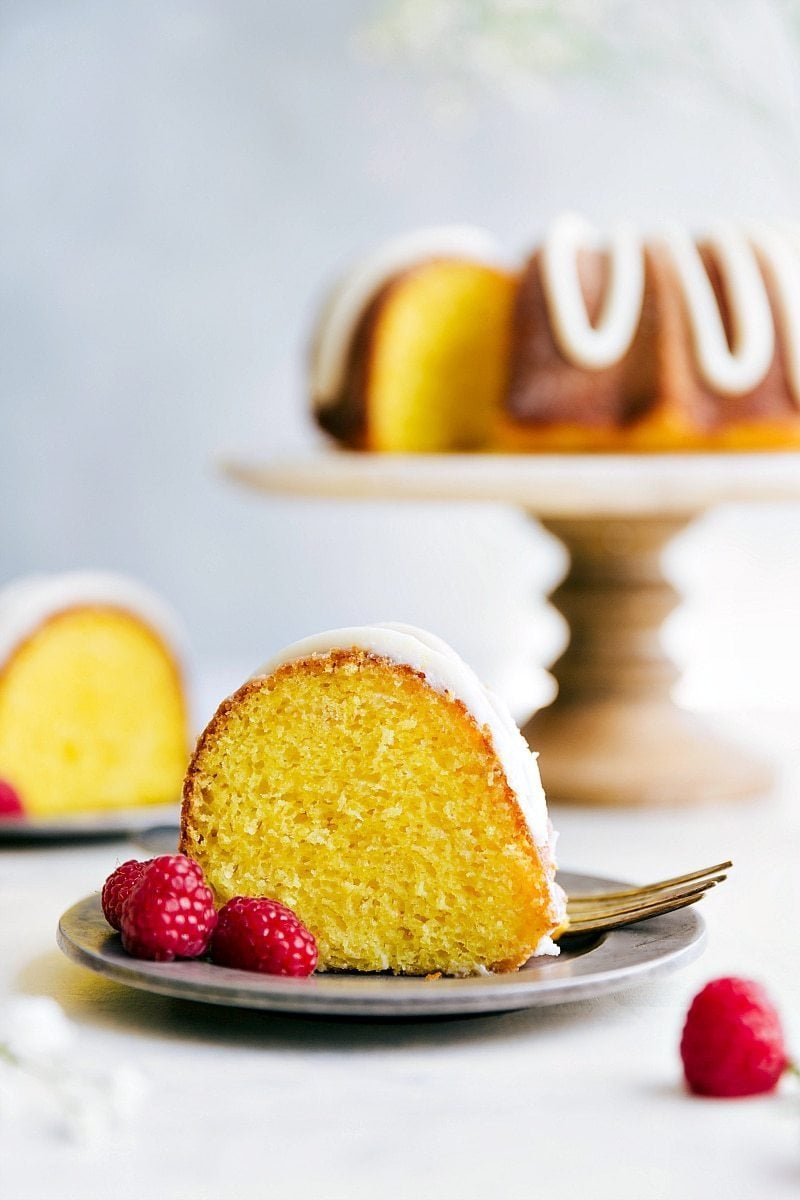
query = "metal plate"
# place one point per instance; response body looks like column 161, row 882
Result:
column 105, row 823
column 609, row 963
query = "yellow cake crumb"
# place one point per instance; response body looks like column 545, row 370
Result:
column 438, row 358
column 92, row 715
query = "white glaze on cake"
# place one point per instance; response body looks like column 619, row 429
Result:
column 728, row 370
column 29, row 602
column 780, row 251
column 605, row 341
column 348, row 301
column 446, row 672
column 736, row 369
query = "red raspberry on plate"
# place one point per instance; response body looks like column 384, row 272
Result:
column 257, row 934
column 10, row 803
column 117, row 888
column 170, row 911
column 732, row 1043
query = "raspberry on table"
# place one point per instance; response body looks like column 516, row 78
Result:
column 732, row 1043
column 10, row 801
column 117, row 888
column 169, row 912
column 257, row 934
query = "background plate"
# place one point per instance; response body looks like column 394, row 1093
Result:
column 608, row 964
column 111, row 823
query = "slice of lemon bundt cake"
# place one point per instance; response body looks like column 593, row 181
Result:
column 92, row 709
column 366, row 779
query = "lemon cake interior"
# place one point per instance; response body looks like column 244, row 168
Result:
column 92, row 708
column 413, row 352
column 367, row 780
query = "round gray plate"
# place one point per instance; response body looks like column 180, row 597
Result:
column 105, row 823
column 608, row 964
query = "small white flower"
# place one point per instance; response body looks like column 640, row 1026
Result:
column 34, row 1029
column 522, row 51
column 44, row 1078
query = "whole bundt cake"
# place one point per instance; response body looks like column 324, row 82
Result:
column 367, row 780
column 625, row 342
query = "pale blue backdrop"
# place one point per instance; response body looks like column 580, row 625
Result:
column 178, row 181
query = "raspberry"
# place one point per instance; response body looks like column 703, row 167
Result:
column 263, row 935
column 117, row 888
column 170, row 911
column 732, row 1043
column 10, row 803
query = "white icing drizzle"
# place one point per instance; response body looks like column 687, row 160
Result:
column 28, row 603
column 347, row 303
column 607, row 340
column 780, row 251
column 731, row 371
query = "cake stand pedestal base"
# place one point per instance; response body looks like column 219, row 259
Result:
column 613, row 735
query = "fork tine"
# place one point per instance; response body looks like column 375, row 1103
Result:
column 635, row 912
column 580, row 905
column 662, row 885
column 618, row 922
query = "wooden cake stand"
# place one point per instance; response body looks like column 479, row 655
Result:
column 612, row 736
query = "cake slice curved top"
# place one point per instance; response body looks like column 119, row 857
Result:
column 92, row 707
column 367, row 779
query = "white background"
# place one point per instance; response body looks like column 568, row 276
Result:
column 179, row 180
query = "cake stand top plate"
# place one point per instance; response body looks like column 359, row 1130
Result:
column 549, row 485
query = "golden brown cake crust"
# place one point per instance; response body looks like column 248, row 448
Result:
column 346, row 418
column 217, row 722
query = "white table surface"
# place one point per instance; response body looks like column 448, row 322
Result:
column 584, row 1101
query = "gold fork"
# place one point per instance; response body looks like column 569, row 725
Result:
column 599, row 911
